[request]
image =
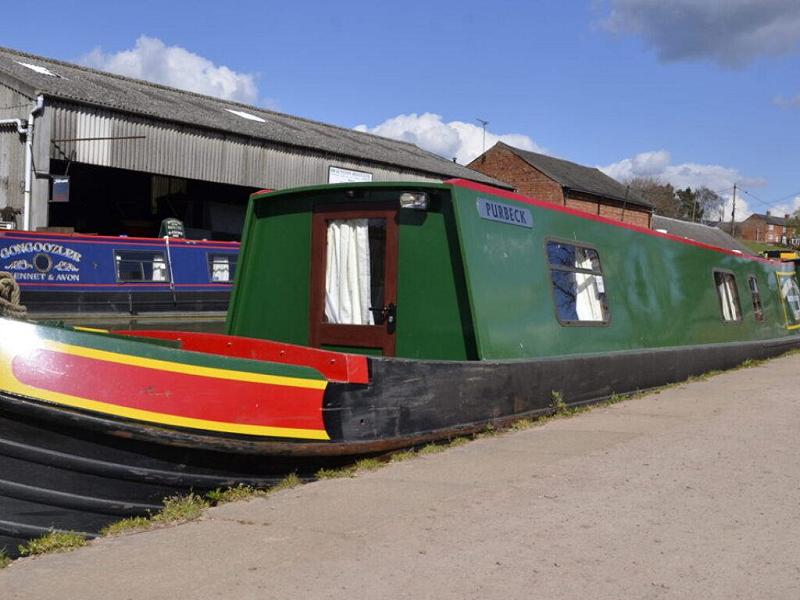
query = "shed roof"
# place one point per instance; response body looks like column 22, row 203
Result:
column 578, row 177
column 74, row 83
column 705, row 234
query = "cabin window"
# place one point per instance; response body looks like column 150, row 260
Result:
column 135, row 266
column 791, row 295
column 354, row 272
column 578, row 287
column 758, row 312
column 728, row 296
column 221, row 267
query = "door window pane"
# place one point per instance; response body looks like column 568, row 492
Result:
column 354, row 272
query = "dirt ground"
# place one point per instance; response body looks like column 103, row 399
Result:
column 692, row 493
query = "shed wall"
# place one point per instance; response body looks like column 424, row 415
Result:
column 13, row 105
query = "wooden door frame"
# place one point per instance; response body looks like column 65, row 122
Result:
column 363, row 336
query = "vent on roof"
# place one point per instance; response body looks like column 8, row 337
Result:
column 245, row 115
column 39, row 69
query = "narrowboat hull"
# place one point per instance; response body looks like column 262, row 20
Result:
column 497, row 307
column 74, row 458
column 87, row 275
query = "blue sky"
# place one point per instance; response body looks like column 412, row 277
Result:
column 696, row 92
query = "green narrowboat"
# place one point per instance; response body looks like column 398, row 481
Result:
column 365, row 318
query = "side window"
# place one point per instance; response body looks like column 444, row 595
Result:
column 758, row 312
column 578, row 287
column 728, row 296
column 134, row 266
column 791, row 297
column 221, row 267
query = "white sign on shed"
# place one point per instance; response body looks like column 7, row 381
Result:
column 340, row 175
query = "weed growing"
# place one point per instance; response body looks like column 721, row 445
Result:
column 55, row 541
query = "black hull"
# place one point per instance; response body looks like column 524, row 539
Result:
column 65, row 469
column 128, row 303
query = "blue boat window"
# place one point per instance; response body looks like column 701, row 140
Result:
column 221, row 267
column 578, row 286
column 138, row 265
column 728, row 296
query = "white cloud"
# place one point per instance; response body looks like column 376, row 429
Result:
column 458, row 139
column 658, row 164
column 729, row 32
column 150, row 59
column 784, row 102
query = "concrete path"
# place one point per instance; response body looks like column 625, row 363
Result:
column 690, row 493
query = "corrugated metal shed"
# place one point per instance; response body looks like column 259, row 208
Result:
column 13, row 105
column 182, row 134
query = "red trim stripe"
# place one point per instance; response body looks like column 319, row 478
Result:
column 177, row 394
column 487, row 189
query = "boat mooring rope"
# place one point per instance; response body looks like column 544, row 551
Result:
column 9, row 297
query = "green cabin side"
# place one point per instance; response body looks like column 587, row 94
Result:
column 471, row 288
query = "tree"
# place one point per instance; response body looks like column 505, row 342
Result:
column 660, row 195
column 710, row 204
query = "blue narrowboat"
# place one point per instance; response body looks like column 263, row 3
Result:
column 83, row 274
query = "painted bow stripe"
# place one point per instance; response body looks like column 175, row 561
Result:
column 166, row 392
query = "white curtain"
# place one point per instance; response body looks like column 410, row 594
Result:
column 347, row 275
column 727, row 294
column 587, row 293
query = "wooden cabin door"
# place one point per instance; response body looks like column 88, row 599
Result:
column 354, row 277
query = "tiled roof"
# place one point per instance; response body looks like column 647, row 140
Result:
column 578, row 177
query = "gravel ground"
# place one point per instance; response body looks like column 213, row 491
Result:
column 693, row 492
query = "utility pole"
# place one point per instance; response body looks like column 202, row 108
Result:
column 733, row 213
column 483, row 125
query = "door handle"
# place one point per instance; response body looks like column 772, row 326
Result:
column 388, row 315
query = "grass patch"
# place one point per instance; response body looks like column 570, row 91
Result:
column 287, row 483
column 126, row 526
column 368, row 464
column 181, row 508
column 5, row 559
column 521, row 425
column 55, row 541
column 459, row 441
column 402, row 455
column 431, row 449
column 557, row 403
column 335, row 473
column 231, row 494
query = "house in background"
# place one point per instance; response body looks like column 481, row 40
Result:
column 769, row 229
column 562, row 182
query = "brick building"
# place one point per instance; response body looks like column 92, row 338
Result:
column 562, row 182
column 770, row 229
